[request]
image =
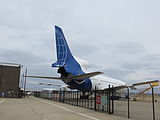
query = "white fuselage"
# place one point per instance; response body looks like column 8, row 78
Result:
column 102, row 82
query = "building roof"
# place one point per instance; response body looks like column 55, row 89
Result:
column 9, row 64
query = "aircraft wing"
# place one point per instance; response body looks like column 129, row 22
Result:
column 44, row 77
column 117, row 87
column 153, row 82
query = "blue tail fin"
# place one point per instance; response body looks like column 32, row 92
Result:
column 64, row 57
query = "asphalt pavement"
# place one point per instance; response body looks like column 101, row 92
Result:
column 33, row 108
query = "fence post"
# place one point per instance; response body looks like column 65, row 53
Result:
column 128, row 101
column 128, row 105
column 77, row 97
column 153, row 101
column 112, row 99
column 95, row 98
column 52, row 95
column 72, row 98
column 60, row 95
column 82, row 99
column 63, row 96
column 109, row 100
column 56, row 95
column 88, row 100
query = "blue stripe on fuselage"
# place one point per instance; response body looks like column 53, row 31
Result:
column 86, row 85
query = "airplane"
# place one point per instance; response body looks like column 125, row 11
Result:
column 72, row 73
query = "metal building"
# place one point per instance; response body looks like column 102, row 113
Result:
column 9, row 80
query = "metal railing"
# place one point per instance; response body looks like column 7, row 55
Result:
column 98, row 100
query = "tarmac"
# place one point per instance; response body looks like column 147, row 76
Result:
column 33, row 108
column 138, row 110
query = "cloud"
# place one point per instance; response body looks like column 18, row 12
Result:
column 20, row 57
column 142, row 75
column 35, row 64
column 146, row 61
column 118, row 73
column 127, row 47
column 121, row 38
column 137, row 70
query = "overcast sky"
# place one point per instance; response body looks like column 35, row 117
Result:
column 119, row 37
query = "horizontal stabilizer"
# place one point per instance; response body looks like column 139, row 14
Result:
column 44, row 77
column 87, row 75
column 75, row 77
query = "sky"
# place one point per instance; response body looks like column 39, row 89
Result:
column 119, row 37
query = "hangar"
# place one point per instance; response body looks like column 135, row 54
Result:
column 9, row 80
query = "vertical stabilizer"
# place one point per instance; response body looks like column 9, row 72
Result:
column 64, row 57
